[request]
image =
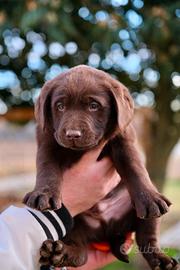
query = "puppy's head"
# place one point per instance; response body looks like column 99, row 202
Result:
column 82, row 107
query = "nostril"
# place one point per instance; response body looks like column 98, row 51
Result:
column 73, row 134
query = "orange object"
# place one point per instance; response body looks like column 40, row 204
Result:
column 104, row 246
column 101, row 246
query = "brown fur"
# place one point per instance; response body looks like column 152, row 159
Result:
column 75, row 112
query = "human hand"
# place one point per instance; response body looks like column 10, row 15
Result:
column 88, row 181
column 96, row 260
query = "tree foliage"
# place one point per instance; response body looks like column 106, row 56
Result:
column 135, row 41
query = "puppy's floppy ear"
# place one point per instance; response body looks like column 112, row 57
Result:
column 43, row 107
column 124, row 105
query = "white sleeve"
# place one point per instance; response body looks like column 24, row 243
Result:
column 22, row 232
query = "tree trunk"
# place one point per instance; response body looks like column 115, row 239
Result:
column 156, row 162
column 158, row 140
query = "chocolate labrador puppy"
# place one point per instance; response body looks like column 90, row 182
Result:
column 75, row 112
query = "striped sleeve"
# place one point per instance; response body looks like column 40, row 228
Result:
column 56, row 224
column 22, row 232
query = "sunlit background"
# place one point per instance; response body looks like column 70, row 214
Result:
column 137, row 42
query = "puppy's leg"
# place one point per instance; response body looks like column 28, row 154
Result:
column 46, row 194
column 58, row 254
column 147, row 240
column 118, row 248
column 148, row 202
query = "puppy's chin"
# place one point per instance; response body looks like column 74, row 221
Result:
column 78, row 147
column 75, row 146
column 81, row 148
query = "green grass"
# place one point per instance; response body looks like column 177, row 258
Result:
column 172, row 191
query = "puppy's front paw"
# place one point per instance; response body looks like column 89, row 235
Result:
column 42, row 200
column 58, row 254
column 151, row 204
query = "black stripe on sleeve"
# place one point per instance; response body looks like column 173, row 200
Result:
column 45, row 228
column 65, row 217
column 45, row 267
column 54, row 222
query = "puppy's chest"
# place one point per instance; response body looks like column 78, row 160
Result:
column 114, row 208
column 67, row 157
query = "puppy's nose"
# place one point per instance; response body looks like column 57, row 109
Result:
column 73, row 134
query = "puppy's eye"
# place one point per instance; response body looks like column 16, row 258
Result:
column 60, row 106
column 94, row 106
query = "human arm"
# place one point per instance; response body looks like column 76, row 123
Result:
column 88, row 181
column 21, row 235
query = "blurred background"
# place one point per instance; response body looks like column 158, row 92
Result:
column 136, row 41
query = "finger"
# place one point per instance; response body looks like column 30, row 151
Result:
column 112, row 172
column 115, row 180
column 104, row 165
column 111, row 176
column 112, row 183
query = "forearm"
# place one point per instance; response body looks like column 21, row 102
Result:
column 22, row 232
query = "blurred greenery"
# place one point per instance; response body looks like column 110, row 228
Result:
column 172, row 191
column 132, row 266
column 135, row 41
